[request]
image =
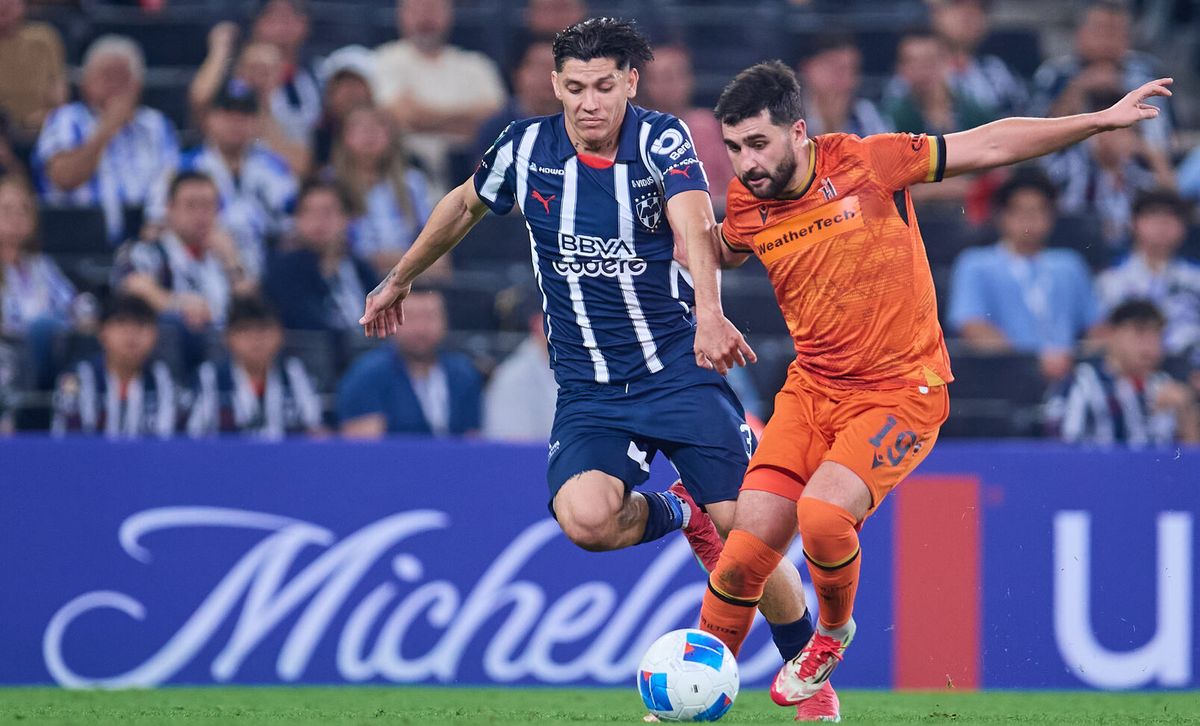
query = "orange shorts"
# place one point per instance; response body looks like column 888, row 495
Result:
column 879, row 435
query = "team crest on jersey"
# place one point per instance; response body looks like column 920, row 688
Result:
column 828, row 190
column 649, row 210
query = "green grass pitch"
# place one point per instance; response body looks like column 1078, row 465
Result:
column 403, row 705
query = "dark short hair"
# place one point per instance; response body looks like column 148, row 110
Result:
column 250, row 310
column 299, row 6
column 1137, row 311
column 188, row 177
column 602, row 38
column 1024, row 178
column 234, row 96
column 1161, row 199
column 770, row 85
column 324, row 186
column 129, row 309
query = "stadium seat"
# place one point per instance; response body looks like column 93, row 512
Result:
column 169, row 94
column 317, row 350
column 495, row 244
column 73, row 230
column 165, row 42
column 471, row 300
column 1020, row 48
column 77, row 239
column 1081, row 232
column 995, row 394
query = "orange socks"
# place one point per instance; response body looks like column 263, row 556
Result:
column 735, row 586
column 831, row 548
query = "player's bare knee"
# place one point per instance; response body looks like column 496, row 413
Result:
column 588, row 532
column 586, row 518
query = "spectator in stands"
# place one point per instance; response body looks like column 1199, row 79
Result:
column 542, row 20
column 1103, row 61
column 1154, row 271
column 533, row 95
column 35, row 296
column 1189, row 176
column 254, row 184
column 254, row 392
column 668, row 84
column 437, row 92
column 986, row 80
column 106, row 150
column 1099, row 178
column 1125, row 398
column 348, row 77
column 121, row 393
column 271, row 64
column 1016, row 294
column 519, row 401
column 390, row 198
column 261, row 68
column 190, row 270
column 320, row 285
column 10, row 162
column 920, row 97
column 411, row 386
column 832, row 75
column 34, row 81
column 296, row 102
column 8, row 387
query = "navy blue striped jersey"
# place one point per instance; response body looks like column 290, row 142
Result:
column 618, row 307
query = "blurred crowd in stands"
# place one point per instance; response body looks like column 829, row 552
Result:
column 196, row 196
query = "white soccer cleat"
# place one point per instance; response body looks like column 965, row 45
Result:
column 803, row 676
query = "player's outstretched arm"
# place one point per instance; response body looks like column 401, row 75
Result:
column 719, row 344
column 1012, row 140
column 449, row 222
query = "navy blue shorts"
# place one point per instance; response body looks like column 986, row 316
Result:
column 688, row 413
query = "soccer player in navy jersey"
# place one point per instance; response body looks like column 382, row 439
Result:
column 638, row 343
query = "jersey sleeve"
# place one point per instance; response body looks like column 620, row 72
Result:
column 495, row 178
column 671, row 154
column 901, row 160
column 734, row 233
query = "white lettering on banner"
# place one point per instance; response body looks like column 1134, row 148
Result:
column 1167, row 656
column 270, row 586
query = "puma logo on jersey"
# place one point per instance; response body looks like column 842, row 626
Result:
column 684, row 172
column 544, row 200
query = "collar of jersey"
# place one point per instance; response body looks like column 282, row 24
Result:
column 627, row 141
column 812, row 172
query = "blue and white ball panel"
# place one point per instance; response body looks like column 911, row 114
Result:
column 704, row 649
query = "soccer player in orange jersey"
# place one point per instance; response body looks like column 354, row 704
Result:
column 831, row 219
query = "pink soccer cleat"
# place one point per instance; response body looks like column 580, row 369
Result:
column 700, row 531
column 805, row 675
column 821, row 706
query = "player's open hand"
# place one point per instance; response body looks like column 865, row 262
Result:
column 1133, row 107
column 384, row 312
column 720, row 345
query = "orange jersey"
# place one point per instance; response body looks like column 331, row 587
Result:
column 847, row 262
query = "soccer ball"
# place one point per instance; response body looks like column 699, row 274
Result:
column 688, row 675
